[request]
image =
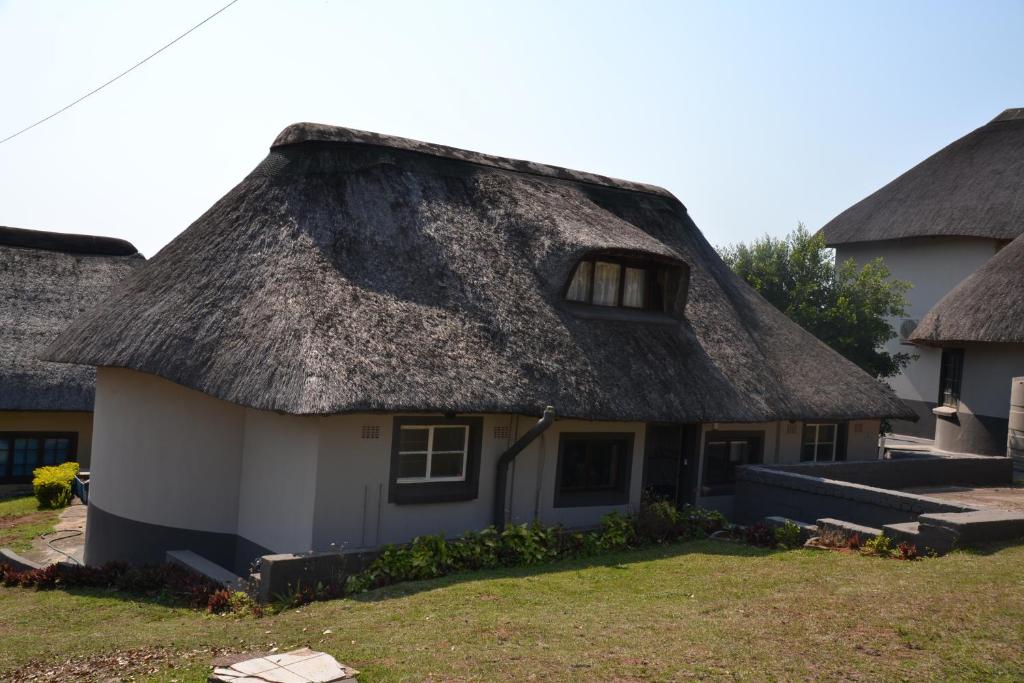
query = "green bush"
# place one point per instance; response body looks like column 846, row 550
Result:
column 880, row 545
column 788, row 535
column 527, row 544
column 52, row 485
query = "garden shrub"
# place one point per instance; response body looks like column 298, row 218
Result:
column 907, row 551
column 658, row 522
column 880, row 545
column 788, row 535
column 759, row 533
column 52, row 485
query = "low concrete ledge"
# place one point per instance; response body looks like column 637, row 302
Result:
column 912, row 471
column 978, row 526
column 284, row 573
column 15, row 561
column 763, row 491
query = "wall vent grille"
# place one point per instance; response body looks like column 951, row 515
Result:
column 370, row 431
column 503, row 432
column 791, row 428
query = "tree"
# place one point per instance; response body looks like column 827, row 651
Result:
column 844, row 306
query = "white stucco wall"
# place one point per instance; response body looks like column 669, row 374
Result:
column 934, row 266
column 278, row 482
column 987, row 371
column 352, row 507
column 164, row 454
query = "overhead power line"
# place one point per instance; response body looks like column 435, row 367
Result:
column 117, row 77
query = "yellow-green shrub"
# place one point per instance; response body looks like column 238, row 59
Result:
column 52, row 485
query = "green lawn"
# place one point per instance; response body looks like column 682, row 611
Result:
column 21, row 520
column 709, row 609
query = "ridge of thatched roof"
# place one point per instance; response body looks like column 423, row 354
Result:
column 351, row 272
column 973, row 187
column 987, row 306
column 48, row 279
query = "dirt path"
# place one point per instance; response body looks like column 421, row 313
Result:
column 67, row 541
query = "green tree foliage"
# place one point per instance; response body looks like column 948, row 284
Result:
column 846, row 307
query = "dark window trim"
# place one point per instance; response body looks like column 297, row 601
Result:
column 727, row 435
column 572, row 499
column 673, row 298
column 6, row 478
column 437, row 491
column 956, row 354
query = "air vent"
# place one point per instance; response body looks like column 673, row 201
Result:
column 370, row 431
column 858, row 426
column 907, row 327
column 503, row 432
column 791, row 428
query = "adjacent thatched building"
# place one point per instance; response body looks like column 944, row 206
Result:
column 46, row 279
column 935, row 225
column 348, row 348
column 979, row 327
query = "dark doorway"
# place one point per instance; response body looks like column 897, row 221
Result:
column 670, row 462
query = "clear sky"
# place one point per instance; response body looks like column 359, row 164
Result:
column 755, row 114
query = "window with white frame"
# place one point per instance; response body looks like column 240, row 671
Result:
column 428, row 453
column 821, row 442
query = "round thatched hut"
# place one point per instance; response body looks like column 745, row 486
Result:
column 979, row 329
column 934, row 226
column 46, row 280
column 353, row 345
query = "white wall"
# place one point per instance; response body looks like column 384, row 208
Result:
column 934, row 266
column 278, row 480
column 164, row 454
column 352, row 507
column 987, row 371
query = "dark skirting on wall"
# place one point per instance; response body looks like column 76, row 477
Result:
column 111, row 537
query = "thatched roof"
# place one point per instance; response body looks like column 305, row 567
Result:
column 971, row 188
column 988, row 306
column 357, row 272
column 47, row 279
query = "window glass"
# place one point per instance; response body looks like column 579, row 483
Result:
column 579, row 289
column 593, row 469
column 449, row 439
column 634, row 288
column 412, row 465
column 413, row 439
column 723, row 453
column 446, row 464
column 26, row 457
column 56, row 451
column 819, row 442
column 606, row 283
column 4, row 456
column 950, row 374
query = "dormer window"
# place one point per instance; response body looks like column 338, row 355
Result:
column 624, row 282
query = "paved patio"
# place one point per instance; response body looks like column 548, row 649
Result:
column 989, row 497
column 66, row 542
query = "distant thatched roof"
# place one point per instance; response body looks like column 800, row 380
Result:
column 46, row 279
column 988, row 306
column 357, row 272
column 971, row 188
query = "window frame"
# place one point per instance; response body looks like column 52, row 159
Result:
column 756, row 458
column 437, row 490
column 956, row 356
column 619, row 495
column 6, row 469
column 653, row 270
column 838, row 441
column 430, row 453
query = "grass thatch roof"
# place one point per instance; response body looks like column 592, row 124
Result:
column 47, row 279
column 988, row 306
column 357, row 272
column 971, row 188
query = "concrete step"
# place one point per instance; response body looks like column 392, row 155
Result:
column 903, row 532
column 806, row 530
column 201, row 565
column 828, row 524
column 979, row 526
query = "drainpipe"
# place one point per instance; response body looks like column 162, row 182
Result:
column 506, row 458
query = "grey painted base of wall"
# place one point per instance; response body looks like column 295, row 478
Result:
column 969, row 433
column 925, row 425
column 109, row 538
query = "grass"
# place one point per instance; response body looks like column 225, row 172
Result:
column 21, row 520
column 705, row 610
